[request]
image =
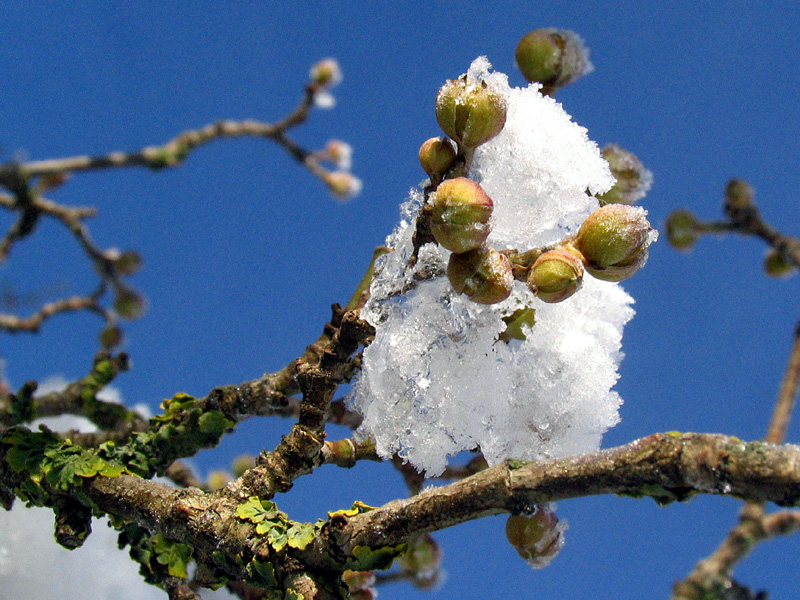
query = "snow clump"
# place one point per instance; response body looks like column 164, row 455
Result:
column 436, row 380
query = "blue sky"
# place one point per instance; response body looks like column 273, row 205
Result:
column 244, row 251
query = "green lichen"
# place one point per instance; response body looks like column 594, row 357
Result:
column 280, row 530
column 365, row 558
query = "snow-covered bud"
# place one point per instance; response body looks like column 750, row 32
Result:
column 682, row 229
column 776, row 264
column 326, row 72
column 483, row 275
column 556, row 275
column 470, row 113
column 460, row 215
column 423, row 558
column 738, row 195
column 342, row 184
column 537, row 538
column 436, row 156
column 614, row 240
column 552, row 57
column 633, row 180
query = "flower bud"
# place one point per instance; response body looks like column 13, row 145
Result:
column 111, row 337
column 483, row 275
column 738, row 194
column 614, row 241
column 128, row 262
column 682, row 229
column 633, row 180
column 436, row 156
column 128, row 304
column 553, row 58
column 537, row 538
column 326, row 72
column 218, row 480
column 776, row 264
column 423, row 557
column 460, row 215
column 242, row 463
column 339, row 153
column 342, row 184
column 556, row 275
column 361, row 584
column 470, row 113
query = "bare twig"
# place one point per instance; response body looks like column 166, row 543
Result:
column 754, row 525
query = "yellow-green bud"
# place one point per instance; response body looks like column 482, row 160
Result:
column 483, row 275
column 436, row 156
column 326, row 72
column 128, row 304
column 738, row 194
column 536, row 538
column 460, row 214
column 423, row 559
column 242, row 463
column 552, row 57
column 218, row 480
column 470, row 113
column 110, row 337
column 556, row 275
column 682, row 229
column 633, row 180
column 776, row 264
column 614, row 241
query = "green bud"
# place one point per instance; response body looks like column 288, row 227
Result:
column 614, row 241
column 242, row 463
column 622, row 270
column 111, row 337
column 436, row 156
column 460, row 215
column 537, row 538
column 552, row 57
column 423, row 560
column 128, row 304
column 128, row 262
column 483, row 275
column 326, row 72
column 633, row 180
column 556, row 275
column 682, row 229
column 738, row 194
column 777, row 265
column 218, row 480
column 470, row 113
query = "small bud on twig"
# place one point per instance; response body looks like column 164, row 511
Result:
column 554, row 58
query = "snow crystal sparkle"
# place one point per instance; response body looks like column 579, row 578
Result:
column 436, row 380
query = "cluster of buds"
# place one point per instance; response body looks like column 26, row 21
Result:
column 776, row 264
column 471, row 114
column 555, row 58
column 460, row 221
column 537, row 538
column 612, row 244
